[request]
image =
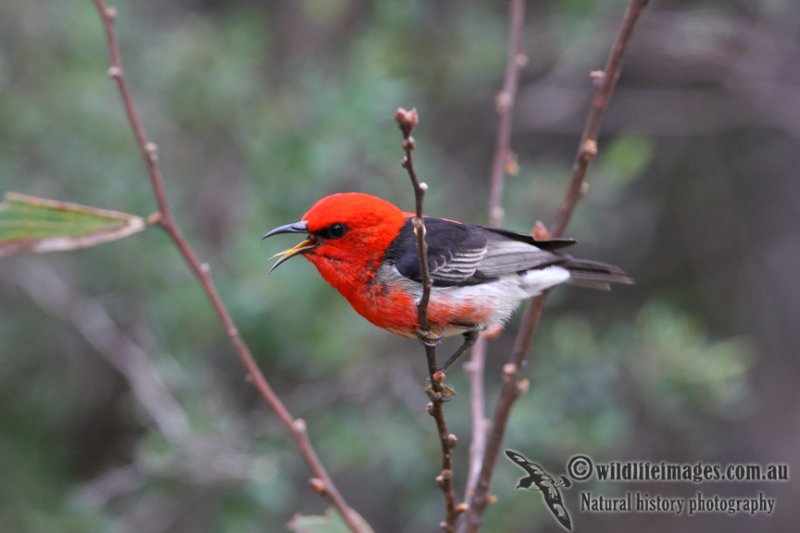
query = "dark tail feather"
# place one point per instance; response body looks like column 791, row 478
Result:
column 595, row 275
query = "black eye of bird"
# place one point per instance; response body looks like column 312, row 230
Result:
column 334, row 231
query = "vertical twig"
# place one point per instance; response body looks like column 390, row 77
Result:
column 504, row 104
column 502, row 157
column 407, row 120
column 512, row 384
column 321, row 482
column 604, row 81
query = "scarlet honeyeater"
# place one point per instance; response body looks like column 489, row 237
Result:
column 366, row 248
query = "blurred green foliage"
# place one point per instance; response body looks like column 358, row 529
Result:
column 259, row 109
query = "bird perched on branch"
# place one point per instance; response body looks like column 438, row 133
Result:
column 367, row 249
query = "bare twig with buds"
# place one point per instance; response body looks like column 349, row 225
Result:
column 407, row 120
column 604, row 83
column 504, row 162
column 322, row 482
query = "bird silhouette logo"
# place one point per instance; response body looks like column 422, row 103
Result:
column 539, row 479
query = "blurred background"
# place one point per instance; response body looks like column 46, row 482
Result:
column 122, row 405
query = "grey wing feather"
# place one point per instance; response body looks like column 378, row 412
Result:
column 505, row 257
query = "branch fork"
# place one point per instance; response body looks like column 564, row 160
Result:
column 604, row 82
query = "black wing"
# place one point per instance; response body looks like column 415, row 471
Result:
column 552, row 497
column 546, row 484
column 463, row 254
column 536, row 471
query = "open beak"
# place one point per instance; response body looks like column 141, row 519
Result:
column 306, row 245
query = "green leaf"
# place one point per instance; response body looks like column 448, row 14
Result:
column 36, row 225
column 330, row 522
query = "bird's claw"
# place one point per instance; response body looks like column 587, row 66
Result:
column 445, row 393
column 430, row 336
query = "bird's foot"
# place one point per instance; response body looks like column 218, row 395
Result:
column 430, row 336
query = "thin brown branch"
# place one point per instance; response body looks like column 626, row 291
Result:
column 513, row 385
column 505, row 102
column 296, row 426
column 476, row 369
column 407, row 120
column 604, row 81
column 444, row 480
